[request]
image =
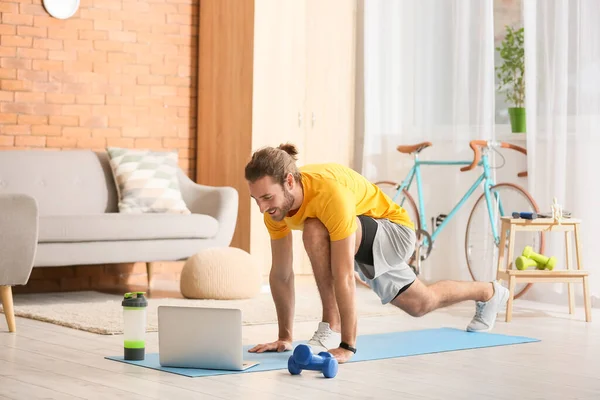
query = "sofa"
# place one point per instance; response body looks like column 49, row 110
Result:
column 18, row 242
column 77, row 209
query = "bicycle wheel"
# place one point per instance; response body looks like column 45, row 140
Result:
column 481, row 249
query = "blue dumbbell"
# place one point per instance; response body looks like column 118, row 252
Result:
column 303, row 358
column 524, row 215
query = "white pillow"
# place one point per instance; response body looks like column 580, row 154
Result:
column 147, row 181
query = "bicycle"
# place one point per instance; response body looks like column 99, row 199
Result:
column 494, row 202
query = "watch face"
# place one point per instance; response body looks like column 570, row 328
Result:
column 61, row 9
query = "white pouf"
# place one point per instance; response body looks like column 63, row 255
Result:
column 223, row 273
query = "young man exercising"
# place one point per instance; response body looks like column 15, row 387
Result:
column 349, row 226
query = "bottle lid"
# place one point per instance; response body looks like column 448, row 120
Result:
column 134, row 299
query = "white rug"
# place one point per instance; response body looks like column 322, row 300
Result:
column 102, row 313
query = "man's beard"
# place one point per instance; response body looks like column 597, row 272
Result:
column 287, row 205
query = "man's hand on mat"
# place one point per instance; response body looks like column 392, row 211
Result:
column 341, row 355
column 278, row 346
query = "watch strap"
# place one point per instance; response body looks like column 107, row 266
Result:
column 346, row 346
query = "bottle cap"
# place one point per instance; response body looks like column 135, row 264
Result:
column 135, row 299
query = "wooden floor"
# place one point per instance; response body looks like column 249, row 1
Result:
column 48, row 361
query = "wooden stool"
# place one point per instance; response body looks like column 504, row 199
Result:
column 570, row 275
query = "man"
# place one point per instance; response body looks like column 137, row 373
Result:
column 349, row 226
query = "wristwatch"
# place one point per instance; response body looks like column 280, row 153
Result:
column 346, row 346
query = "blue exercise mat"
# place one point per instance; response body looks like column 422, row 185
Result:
column 370, row 347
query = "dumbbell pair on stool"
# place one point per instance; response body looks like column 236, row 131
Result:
column 529, row 258
column 303, row 358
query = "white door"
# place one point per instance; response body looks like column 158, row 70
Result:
column 304, row 57
column 331, row 48
column 330, row 60
column 279, row 97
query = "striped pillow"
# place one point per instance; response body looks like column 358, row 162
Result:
column 147, row 181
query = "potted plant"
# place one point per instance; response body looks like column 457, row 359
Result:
column 511, row 74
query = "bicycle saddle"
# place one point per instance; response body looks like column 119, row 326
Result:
column 415, row 148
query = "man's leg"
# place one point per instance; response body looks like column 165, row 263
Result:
column 489, row 297
column 420, row 299
column 400, row 286
column 317, row 244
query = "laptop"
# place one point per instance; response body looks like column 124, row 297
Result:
column 201, row 337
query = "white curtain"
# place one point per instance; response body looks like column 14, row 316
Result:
column 429, row 76
column 562, row 51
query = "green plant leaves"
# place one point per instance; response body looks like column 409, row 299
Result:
column 511, row 73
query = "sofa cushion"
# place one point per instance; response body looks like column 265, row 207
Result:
column 117, row 226
column 147, row 181
column 62, row 182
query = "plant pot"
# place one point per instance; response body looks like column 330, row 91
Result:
column 517, row 119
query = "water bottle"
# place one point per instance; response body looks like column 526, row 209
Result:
column 134, row 332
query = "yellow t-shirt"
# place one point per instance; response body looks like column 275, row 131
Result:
column 336, row 195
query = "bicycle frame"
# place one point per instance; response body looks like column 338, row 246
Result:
column 485, row 178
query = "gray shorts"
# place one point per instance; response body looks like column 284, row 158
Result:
column 393, row 245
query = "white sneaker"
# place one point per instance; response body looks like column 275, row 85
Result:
column 324, row 339
column 486, row 311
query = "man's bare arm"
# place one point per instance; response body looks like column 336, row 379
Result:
column 281, row 279
column 342, row 269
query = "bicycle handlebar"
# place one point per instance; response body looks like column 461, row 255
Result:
column 476, row 144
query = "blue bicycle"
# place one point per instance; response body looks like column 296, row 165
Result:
column 482, row 236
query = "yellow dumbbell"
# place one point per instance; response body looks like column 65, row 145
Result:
column 522, row 263
column 544, row 262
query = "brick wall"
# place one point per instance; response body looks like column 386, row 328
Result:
column 118, row 73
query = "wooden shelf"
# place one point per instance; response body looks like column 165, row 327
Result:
column 539, row 276
column 569, row 275
column 541, row 221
